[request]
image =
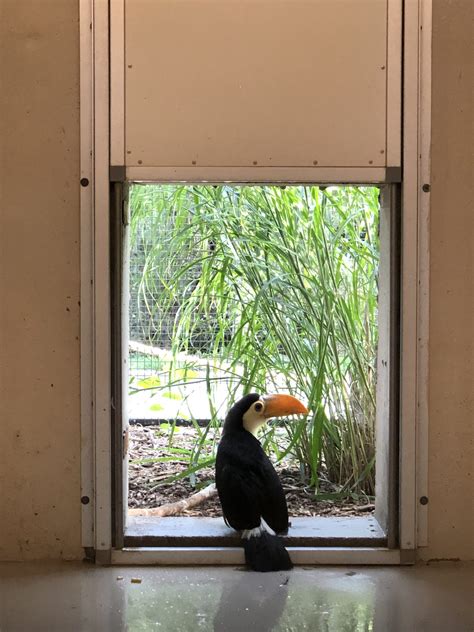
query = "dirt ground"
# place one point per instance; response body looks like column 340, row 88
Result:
column 146, row 476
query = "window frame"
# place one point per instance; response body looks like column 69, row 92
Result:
column 374, row 531
column 96, row 370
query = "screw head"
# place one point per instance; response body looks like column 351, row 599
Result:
column 84, row 182
column 426, row 188
column 85, row 500
column 424, row 500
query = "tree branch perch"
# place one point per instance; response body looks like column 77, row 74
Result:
column 174, row 509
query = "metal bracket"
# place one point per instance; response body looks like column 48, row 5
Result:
column 103, row 557
column 393, row 175
column 117, row 173
column 125, row 443
column 407, row 557
column 125, row 205
column 89, row 554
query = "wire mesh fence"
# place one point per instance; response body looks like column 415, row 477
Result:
column 165, row 270
column 155, row 266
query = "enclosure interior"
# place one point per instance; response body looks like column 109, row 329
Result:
column 266, row 288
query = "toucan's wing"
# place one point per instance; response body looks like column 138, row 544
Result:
column 241, row 494
column 274, row 507
column 249, row 488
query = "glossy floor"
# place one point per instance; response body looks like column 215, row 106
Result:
column 72, row 597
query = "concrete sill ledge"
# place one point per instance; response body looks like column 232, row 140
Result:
column 325, row 531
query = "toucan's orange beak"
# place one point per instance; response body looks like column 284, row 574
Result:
column 282, row 405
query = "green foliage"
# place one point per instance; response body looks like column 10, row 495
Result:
column 149, row 382
column 156, row 407
column 171, row 395
column 272, row 288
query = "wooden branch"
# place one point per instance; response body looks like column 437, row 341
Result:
column 174, row 509
column 368, row 507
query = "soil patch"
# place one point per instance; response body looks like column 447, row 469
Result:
column 148, row 489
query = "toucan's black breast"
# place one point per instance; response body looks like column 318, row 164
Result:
column 248, row 486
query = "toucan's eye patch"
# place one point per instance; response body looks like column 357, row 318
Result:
column 258, row 407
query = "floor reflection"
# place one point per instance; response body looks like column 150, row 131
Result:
column 250, row 605
column 84, row 598
column 239, row 600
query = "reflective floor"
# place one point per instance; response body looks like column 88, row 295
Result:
column 72, row 597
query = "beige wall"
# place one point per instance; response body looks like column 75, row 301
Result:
column 451, row 491
column 39, row 283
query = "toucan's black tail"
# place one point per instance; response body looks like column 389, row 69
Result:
column 266, row 552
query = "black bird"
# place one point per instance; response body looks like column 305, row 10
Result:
column 249, row 489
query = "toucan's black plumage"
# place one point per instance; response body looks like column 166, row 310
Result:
column 248, row 486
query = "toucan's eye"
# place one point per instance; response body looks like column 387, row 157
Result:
column 258, row 407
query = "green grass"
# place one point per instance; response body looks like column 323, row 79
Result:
column 273, row 288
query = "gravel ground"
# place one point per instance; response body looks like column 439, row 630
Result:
column 147, row 490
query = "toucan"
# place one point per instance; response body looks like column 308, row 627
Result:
column 250, row 492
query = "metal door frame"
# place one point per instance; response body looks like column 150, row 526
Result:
column 96, row 332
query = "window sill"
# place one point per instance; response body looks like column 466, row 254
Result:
column 325, row 531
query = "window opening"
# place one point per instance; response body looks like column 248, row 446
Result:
column 236, row 289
